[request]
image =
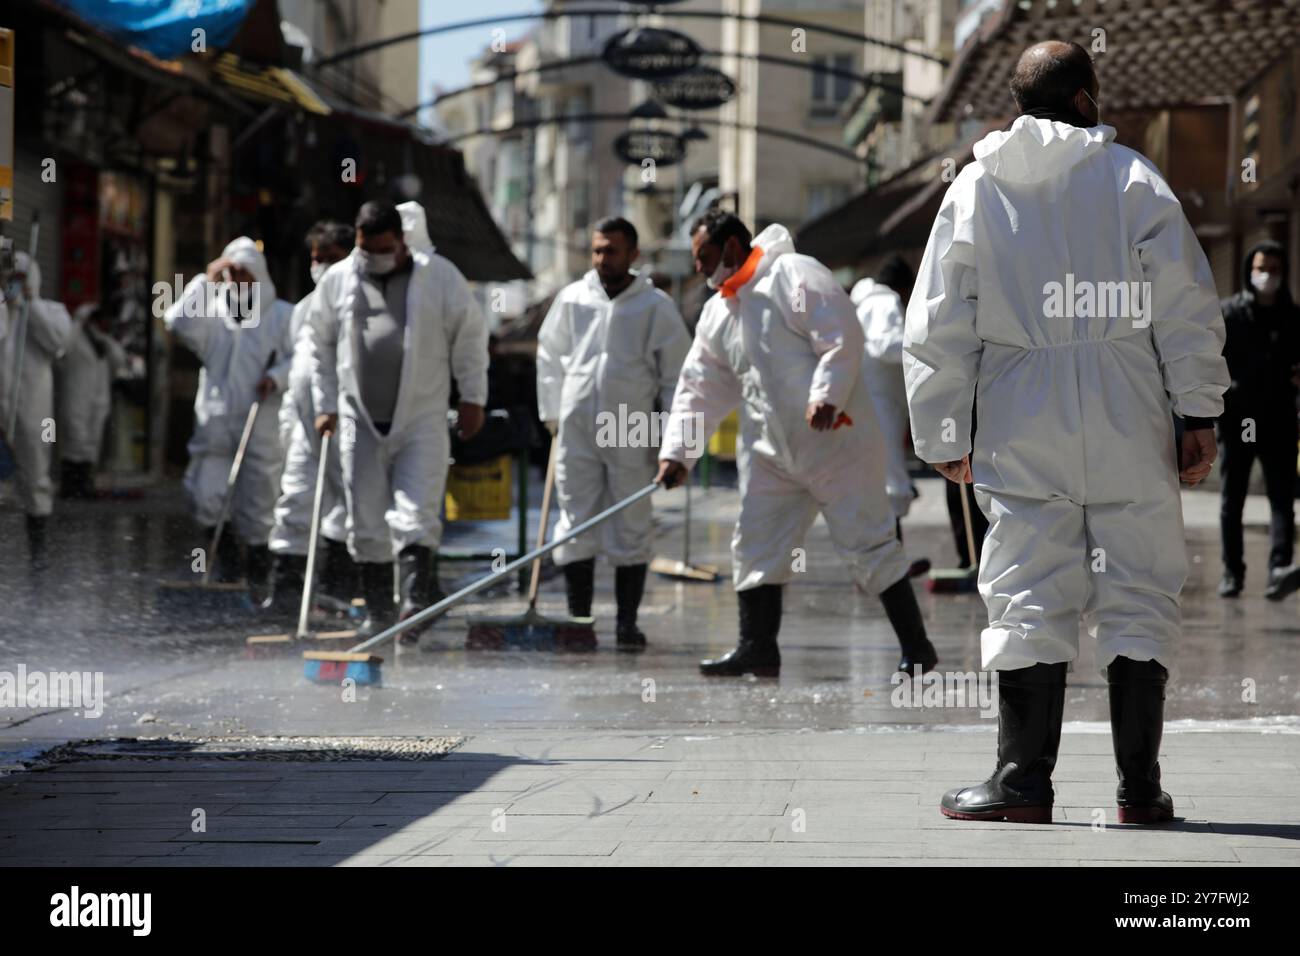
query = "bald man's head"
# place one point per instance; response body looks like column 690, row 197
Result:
column 1050, row 76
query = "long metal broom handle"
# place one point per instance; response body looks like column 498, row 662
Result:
column 436, row 609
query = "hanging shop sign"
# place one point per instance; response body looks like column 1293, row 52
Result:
column 699, row 88
column 638, row 145
column 649, row 53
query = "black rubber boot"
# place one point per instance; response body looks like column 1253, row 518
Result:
column 1137, row 720
column 338, row 577
column 37, row 542
column 1031, row 701
column 419, row 586
column 760, row 622
column 230, row 565
column 377, row 588
column 905, row 615
column 86, row 479
column 287, row 579
column 579, row 586
column 259, row 575
column 629, row 588
column 69, row 480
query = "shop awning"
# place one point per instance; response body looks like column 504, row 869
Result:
column 1159, row 54
column 892, row 216
column 164, row 28
column 268, row 84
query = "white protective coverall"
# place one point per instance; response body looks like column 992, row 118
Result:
column 880, row 310
column 415, row 227
column 291, row 533
column 394, row 483
column 48, row 329
column 790, row 337
column 86, row 388
column 1074, row 462
column 236, row 350
column 601, row 365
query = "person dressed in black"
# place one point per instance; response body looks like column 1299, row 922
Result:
column 1259, row 415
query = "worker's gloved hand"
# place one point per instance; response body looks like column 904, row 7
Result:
column 552, row 427
column 820, row 416
column 218, row 267
column 956, row 471
column 327, row 424
column 469, row 419
column 266, row 388
column 1197, row 455
column 671, row 473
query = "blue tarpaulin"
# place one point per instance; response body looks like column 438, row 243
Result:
column 164, row 28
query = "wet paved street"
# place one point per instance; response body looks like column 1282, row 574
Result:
column 97, row 611
column 607, row 730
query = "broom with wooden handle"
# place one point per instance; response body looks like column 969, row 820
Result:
column 958, row 580
column 532, row 629
column 268, row 641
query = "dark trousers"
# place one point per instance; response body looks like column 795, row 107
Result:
column 1275, row 447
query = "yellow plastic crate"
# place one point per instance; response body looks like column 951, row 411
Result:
column 479, row 492
column 723, row 442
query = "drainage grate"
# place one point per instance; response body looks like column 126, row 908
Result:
column 321, row 749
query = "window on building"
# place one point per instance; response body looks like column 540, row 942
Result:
column 830, row 90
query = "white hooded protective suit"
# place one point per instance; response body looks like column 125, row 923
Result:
column 48, row 328
column 291, row 533
column 415, row 227
column 1074, row 461
column 86, row 388
column 880, row 310
column 394, row 483
column 238, row 340
column 787, row 338
column 601, row 366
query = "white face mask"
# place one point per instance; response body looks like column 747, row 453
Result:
column 318, row 270
column 377, row 264
column 1266, row 282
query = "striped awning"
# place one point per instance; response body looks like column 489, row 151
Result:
column 1158, row 54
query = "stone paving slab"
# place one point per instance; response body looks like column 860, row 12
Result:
column 619, row 798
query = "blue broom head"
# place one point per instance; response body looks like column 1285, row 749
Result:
column 364, row 673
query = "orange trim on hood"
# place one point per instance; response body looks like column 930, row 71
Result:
column 742, row 275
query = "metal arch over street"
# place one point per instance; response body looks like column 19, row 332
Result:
column 691, row 118
column 509, row 75
column 761, row 20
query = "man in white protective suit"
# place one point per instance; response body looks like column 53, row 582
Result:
column 48, row 328
column 611, row 347
column 93, row 361
column 781, row 340
column 1063, row 299
column 231, row 319
column 880, row 302
column 327, row 243
column 390, row 328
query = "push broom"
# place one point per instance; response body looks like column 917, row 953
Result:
column 683, row 569
column 205, row 586
column 331, row 667
column 532, row 629
column 958, row 580
column 265, row 642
